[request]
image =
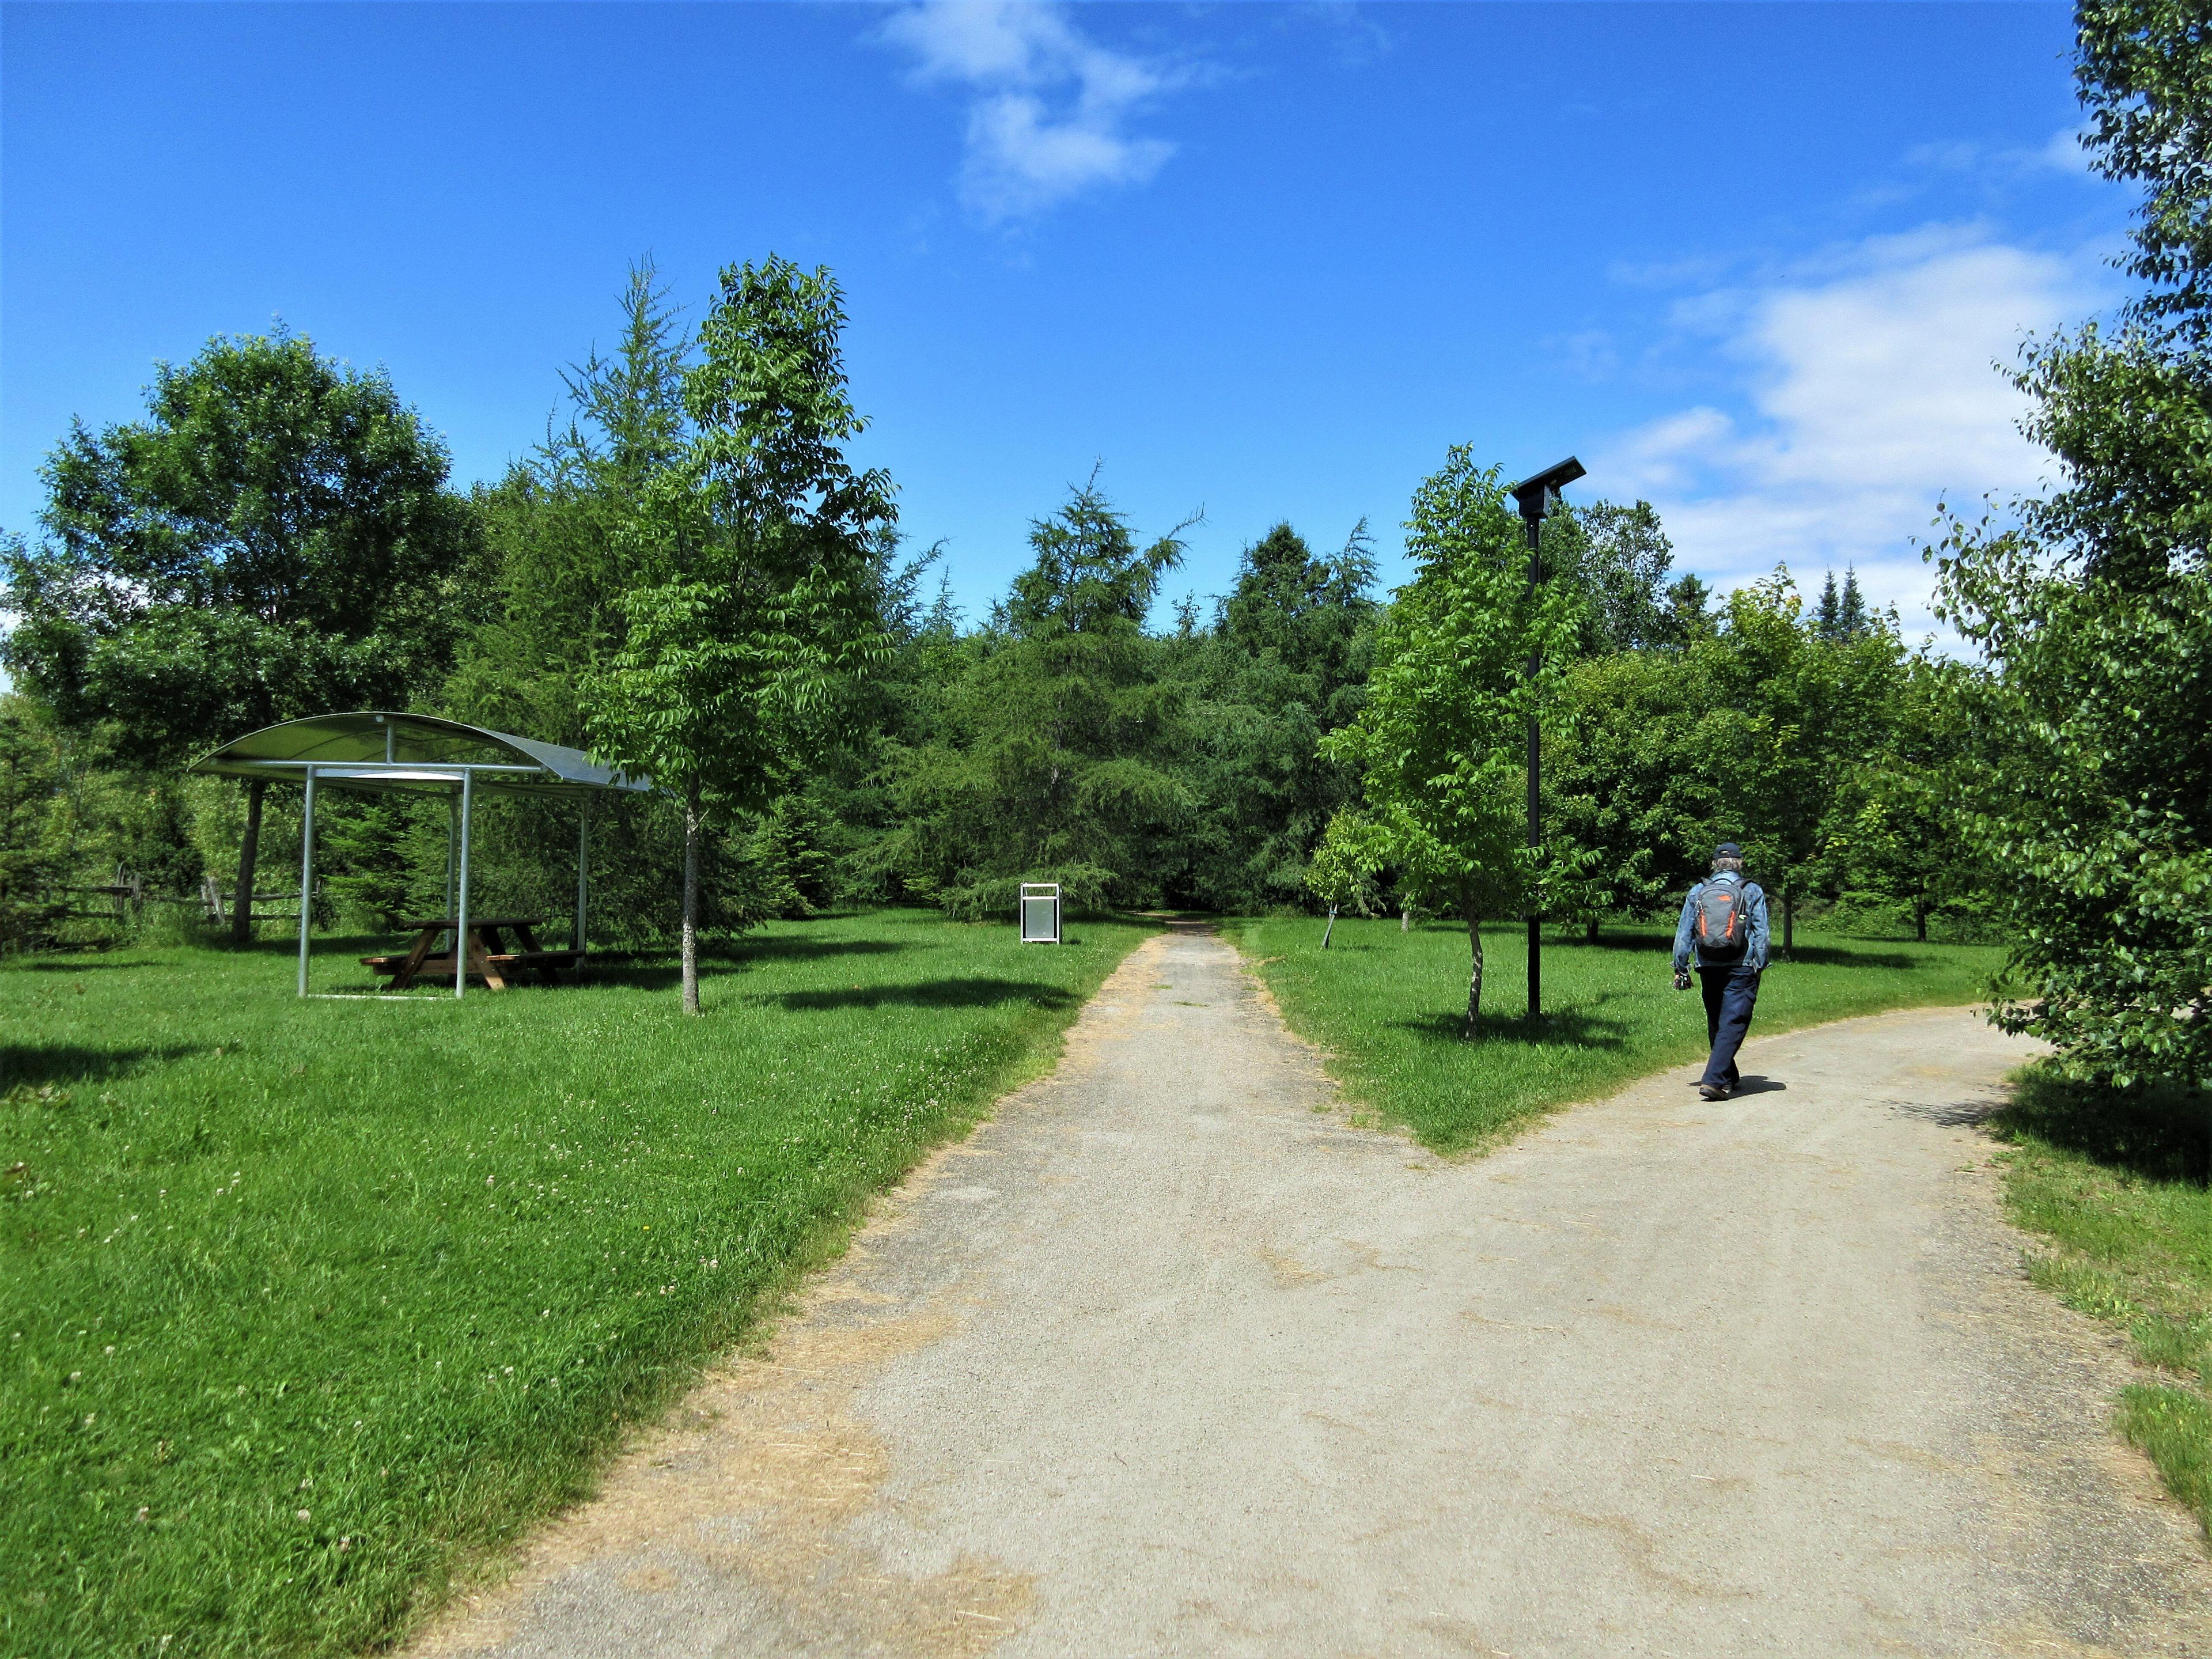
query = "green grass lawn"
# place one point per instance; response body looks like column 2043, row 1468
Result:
column 1390, row 1008
column 2118, row 1184
column 307, row 1305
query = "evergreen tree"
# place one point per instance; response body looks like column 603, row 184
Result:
column 1055, row 760
column 1828, row 617
column 1841, row 617
column 1687, row 614
column 1286, row 666
column 34, row 853
column 556, row 527
column 1854, row 621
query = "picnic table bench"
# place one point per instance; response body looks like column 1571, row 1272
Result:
column 488, row 957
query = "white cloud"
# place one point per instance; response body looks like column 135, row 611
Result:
column 2067, row 150
column 1872, row 387
column 2063, row 152
column 1050, row 107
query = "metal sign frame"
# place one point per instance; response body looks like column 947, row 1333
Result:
column 1040, row 913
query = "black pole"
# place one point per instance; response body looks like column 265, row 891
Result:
column 1535, row 523
column 1535, row 497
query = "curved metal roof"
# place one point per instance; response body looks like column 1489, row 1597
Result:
column 416, row 752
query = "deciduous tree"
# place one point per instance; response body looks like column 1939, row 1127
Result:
column 755, row 554
column 2091, row 794
column 1440, row 745
column 275, row 539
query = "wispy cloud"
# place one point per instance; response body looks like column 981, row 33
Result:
column 1049, row 108
column 1872, row 388
column 2063, row 152
column 1359, row 36
column 2066, row 150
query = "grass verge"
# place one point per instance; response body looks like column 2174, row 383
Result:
column 309, row 1305
column 1390, row 1009
column 2117, row 1183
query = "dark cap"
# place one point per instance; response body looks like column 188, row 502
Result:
column 1728, row 849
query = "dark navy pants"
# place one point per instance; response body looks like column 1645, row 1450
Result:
column 1730, row 995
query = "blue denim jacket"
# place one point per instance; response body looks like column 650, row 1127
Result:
column 1754, row 947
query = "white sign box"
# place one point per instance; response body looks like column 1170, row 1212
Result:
column 1040, row 913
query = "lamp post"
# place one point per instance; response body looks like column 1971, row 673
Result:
column 1536, row 496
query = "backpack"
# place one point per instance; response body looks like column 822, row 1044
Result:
column 1722, row 927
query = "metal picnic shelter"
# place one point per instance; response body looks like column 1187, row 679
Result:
column 421, row 754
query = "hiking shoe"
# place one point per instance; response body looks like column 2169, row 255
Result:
column 1706, row 1091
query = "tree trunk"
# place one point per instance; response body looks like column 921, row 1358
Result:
column 1404, row 918
column 1589, row 931
column 1920, row 920
column 692, row 900
column 1331, row 928
column 1474, row 974
column 249, row 850
column 1789, row 919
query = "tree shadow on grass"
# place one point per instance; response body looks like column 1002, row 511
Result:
column 1643, row 943
column 788, row 948
column 1832, row 956
column 1817, row 956
column 970, row 993
column 554, row 936
column 2162, row 1135
column 1567, row 1029
column 30, row 1064
column 655, row 970
column 631, row 974
column 49, row 967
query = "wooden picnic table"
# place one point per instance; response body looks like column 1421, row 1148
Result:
column 490, row 959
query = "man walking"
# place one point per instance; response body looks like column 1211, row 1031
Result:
column 1724, row 923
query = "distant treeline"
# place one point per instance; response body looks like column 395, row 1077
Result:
column 1055, row 738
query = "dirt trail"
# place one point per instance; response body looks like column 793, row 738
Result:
column 1168, row 1359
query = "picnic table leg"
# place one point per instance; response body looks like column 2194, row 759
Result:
column 527, row 938
column 413, row 965
column 483, row 946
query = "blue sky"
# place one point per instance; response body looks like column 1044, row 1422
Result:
column 1753, row 263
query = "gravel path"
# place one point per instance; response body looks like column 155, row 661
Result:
column 1169, row 1359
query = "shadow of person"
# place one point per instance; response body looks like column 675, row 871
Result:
column 1751, row 1083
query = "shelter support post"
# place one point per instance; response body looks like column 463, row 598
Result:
column 1535, row 785
column 583, row 862
column 461, row 909
column 453, row 819
column 307, row 875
